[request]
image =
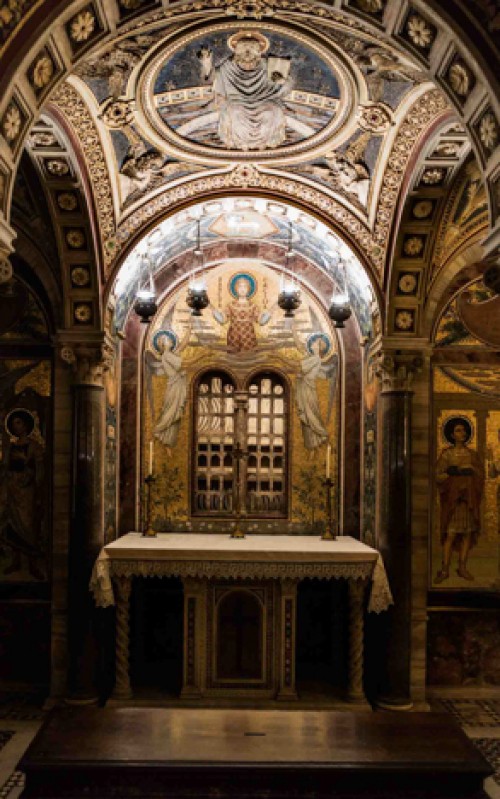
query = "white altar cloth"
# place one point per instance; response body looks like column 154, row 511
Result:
column 211, row 555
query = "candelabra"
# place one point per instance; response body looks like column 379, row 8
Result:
column 150, row 481
column 329, row 534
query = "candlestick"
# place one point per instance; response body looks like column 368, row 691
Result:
column 329, row 534
column 150, row 458
column 328, row 454
column 148, row 531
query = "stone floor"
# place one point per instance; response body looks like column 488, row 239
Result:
column 21, row 715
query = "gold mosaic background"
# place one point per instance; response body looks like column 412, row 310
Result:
column 208, row 349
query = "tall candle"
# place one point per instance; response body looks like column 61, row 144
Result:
column 328, row 453
column 150, row 457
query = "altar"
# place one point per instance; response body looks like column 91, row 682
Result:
column 251, row 583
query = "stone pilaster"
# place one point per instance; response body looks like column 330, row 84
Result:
column 396, row 369
column 288, row 635
column 195, row 638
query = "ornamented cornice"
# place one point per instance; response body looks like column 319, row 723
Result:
column 77, row 116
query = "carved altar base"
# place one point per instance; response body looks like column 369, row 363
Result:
column 232, row 586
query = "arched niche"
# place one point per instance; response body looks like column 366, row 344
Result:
column 320, row 263
column 305, row 354
column 239, row 637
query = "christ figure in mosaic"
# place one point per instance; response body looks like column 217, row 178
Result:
column 249, row 100
column 242, row 315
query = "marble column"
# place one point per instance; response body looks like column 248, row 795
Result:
column 395, row 370
column 88, row 360
column 355, row 687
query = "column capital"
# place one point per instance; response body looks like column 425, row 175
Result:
column 396, row 367
column 240, row 397
column 89, row 358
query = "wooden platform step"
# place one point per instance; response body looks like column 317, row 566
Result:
column 250, row 754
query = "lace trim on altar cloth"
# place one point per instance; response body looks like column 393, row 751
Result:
column 380, row 594
column 101, row 585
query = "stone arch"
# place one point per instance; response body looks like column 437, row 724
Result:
column 478, row 109
column 64, row 182
column 434, row 190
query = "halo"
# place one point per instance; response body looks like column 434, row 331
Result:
column 26, row 415
column 263, row 41
column 450, row 423
column 243, row 276
column 160, row 334
column 313, row 337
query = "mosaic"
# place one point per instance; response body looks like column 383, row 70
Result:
column 252, row 219
column 246, row 90
column 464, row 544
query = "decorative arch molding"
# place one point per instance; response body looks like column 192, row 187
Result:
column 444, row 213
column 479, row 110
column 372, row 245
column 63, row 180
column 258, row 181
column 69, row 103
column 77, row 116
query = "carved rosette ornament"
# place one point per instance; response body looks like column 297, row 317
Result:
column 396, row 369
column 253, row 9
column 117, row 114
column 375, row 118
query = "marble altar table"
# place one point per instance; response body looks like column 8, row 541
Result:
column 267, row 569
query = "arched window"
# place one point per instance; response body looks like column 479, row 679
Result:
column 263, row 438
column 213, row 445
column 267, row 445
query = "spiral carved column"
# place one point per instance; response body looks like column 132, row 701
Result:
column 123, row 587
column 355, row 689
